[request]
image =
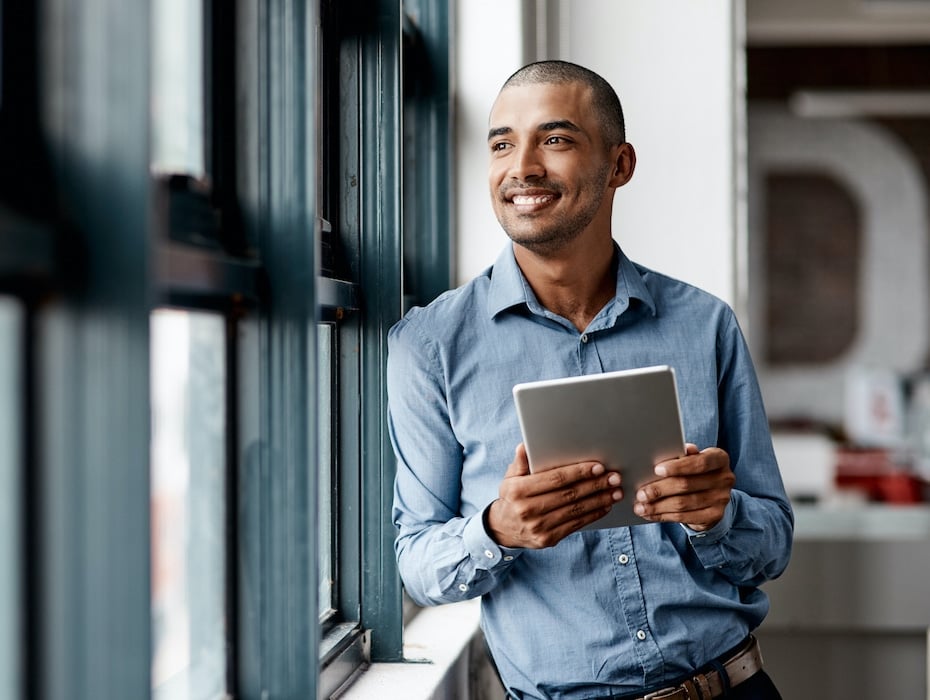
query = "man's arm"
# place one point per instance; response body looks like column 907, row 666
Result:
column 442, row 554
column 729, row 498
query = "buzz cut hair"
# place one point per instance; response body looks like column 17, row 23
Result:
column 603, row 96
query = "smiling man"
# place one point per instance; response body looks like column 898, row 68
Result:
column 662, row 609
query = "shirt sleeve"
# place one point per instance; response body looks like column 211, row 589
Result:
column 752, row 542
column 443, row 555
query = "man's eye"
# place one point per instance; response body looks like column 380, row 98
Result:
column 500, row 146
column 554, row 140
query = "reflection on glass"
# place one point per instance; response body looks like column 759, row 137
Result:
column 326, row 401
column 10, row 426
column 177, row 87
column 188, row 484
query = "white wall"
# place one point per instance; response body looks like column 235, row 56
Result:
column 672, row 63
column 489, row 48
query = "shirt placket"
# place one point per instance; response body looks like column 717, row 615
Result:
column 589, row 360
column 633, row 603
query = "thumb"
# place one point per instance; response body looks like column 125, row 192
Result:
column 520, row 465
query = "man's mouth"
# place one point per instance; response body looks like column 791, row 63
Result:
column 528, row 203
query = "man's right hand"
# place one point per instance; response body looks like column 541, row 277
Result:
column 538, row 510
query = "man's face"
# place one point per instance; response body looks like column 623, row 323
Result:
column 550, row 172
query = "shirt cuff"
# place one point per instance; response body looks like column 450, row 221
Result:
column 704, row 538
column 483, row 550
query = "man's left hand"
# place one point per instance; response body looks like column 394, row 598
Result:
column 693, row 489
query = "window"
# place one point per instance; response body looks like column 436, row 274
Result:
column 207, row 291
column 10, row 494
column 370, row 208
column 177, row 87
column 189, row 487
column 326, row 468
column 182, row 279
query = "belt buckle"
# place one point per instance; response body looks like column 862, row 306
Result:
column 665, row 693
column 697, row 688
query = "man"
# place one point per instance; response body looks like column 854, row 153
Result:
column 663, row 606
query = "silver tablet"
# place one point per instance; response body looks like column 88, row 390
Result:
column 628, row 421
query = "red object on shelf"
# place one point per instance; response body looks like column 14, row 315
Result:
column 876, row 474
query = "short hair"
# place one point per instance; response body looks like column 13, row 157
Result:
column 604, row 97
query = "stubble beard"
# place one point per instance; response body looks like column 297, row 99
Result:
column 551, row 235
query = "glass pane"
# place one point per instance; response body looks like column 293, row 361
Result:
column 188, row 505
column 325, row 460
column 177, row 87
column 10, row 532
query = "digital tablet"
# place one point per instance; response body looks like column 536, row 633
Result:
column 628, row 421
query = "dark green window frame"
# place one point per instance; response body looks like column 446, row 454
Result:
column 384, row 192
column 92, row 243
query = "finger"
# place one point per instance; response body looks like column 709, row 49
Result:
column 710, row 459
column 721, row 480
column 697, row 519
column 559, row 523
column 520, row 465
column 571, row 478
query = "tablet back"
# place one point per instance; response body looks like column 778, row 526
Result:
column 628, row 420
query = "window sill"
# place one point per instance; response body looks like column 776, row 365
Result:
column 436, row 646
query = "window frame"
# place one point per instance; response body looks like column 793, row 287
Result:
column 102, row 243
column 399, row 241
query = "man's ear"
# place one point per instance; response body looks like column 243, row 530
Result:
column 624, row 165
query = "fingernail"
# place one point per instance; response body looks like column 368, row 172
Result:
column 597, row 469
column 614, row 479
column 661, row 470
column 639, row 509
column 641, row 496
column 617, row 495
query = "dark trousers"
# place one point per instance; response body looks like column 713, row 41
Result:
column 758, row 687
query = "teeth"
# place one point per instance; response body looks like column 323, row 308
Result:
column 531, row 199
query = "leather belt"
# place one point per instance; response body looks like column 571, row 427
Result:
column 704, row 686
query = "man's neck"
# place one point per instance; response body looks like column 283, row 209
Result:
column 575, row 284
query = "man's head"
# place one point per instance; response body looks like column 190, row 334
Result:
column 604, row 99
column 557, row 154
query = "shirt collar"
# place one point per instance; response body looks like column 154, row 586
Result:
column 509, row 288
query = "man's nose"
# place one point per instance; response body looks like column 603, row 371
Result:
column 526, row 164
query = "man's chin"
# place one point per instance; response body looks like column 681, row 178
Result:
column 540, row 244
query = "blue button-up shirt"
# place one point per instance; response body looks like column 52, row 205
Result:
column 604, row 611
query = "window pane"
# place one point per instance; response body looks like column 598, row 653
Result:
column 325, row 460
column 10, row 429
column 177, row 87
column 188, row 505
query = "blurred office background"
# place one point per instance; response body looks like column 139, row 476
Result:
column 210, row 214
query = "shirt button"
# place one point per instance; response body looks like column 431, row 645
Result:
column 640, row 635
column 463, row 587
column 584, row 338
column 508, row 558
column 489, row 554
column 623, row 559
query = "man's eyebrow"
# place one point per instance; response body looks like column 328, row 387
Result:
column 559, row 124
column 499, row 131
column 555, row 125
